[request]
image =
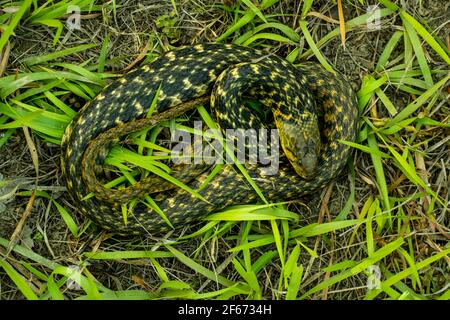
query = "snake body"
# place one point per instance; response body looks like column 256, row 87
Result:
column 185, row 77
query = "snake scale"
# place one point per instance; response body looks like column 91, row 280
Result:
column 187, row 77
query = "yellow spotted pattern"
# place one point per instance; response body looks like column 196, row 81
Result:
column 186, row 78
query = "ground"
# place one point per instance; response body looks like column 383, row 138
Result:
column 407, row 223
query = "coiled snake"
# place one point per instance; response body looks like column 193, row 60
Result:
column 305, row 99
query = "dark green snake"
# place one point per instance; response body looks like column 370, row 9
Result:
column 312, row 108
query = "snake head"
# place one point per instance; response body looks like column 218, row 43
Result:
column 301, row 146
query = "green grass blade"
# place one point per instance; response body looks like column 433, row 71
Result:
column 212, row 125
column 294, row 283
column 249, row 277
column 425, row 35
column 306, row 6
column 418, row 50
column 67, row 219
column 387, row 51
column 286, row 30
column 55, row 24
column 61, row 105
column 123, row 255
column 415, row 278
column 386, row 102
column 84, row 282
column 9, row 30
column 361, row 266
column 367, row 149
column 199, row 268
column 379, row 172
column 278, row 241
column 314, row 47
column 358, row 21
column 316, row 229
column 268, row 36
column 416, row 104
column 58, row 54
column 252, row 212
column 18, row 280
column 407, row 272
column 411, row 173
column 254, row 9
column 103, row 53
column 53, row 289
column 244, row 20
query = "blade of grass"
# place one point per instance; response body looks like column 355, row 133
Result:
column 413, row 106
column 18, row 280
column 123, row 255
column 425, row 35
column 23, row 79
column 415, row 278
column 212, row 125
column 55, row 24
column 379, row 173
column 248, row 213
column 305, row 8
column 67, row 219
column 244, row 20
column 294, row 283
column 263, row 260
column 278, row 242
column 93, row 77
column 407, row 272
column 200, row 269
column 53, row 289
column 314, row 48
column 9, row 30
column 86, row 283
column 316, row 229
column 58, row 54
column 411, row 173
column 418, row 50
column 361, row 266
column 360, row 20
column 386, row 102
column 387, row 51
column 60, row 105
column 268, row 36
column 103, row 53
column 249, row 277
column 289, row 32
column 254, row 9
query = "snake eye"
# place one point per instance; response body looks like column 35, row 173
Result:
column 289, row 154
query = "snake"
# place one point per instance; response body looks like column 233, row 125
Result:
column 314, row 111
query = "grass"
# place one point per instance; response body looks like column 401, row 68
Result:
column 389, row 219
